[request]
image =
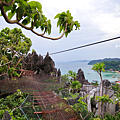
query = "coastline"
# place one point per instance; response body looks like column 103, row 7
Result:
column 117, row 72
column 88, row 72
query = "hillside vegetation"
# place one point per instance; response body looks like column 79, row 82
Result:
column 112, row 65
column 92, row 62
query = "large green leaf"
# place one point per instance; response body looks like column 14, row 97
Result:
column 37, row 24
column 35, row 4
column 20, row 10
column 61, row 28
column 57, row 16
column 39, row 17
column 10, row 14
column 7, row 8
column 66, row 34
column 77, row 25
column 49, row 28
column 59, row 22
column 13, row 8
column 26, row 21
column 22, row 3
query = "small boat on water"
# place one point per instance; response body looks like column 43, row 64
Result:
column 95, row 80
column 113, row 76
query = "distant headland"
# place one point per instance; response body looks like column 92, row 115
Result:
column 111, row 64
column 92, row 62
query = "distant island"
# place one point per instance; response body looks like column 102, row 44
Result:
column 112, row 64
column 80, row 61
column 92, row 62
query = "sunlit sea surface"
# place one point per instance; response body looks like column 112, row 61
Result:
column 90, row 75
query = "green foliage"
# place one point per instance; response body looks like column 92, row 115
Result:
column 104, row 99
column 99, row 67
column 76, row 85
column 115, row 65
column 30, row 12
column 92, row 62
column 111, row 117
column 109, row 63
column 33, row 50
column 107, row 117
column 117, row 98
column 66, row 18
column 11, row 102
column 116, row 87
column 72, row 85
column 95, row 83
column 72, row 74
column 74, row 96
column 81, row 107
column 65, row 78
column 13, row 46
column 97, row 118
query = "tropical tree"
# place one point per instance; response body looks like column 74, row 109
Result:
column 75, row 85
column 99, row 67
column 14, row 46
column 72, row 75
column 30, row 12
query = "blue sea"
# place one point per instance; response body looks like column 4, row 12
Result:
column 90, row 74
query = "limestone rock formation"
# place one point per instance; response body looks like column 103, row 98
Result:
column 40, row 65
column 106, row 83
column 6, row 116
column 81, row 77
column 49, row 65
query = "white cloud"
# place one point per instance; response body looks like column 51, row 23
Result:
column 108, row 23
column 99, row 20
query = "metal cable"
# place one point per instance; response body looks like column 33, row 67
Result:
column 85, row 45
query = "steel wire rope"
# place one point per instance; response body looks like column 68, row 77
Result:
column 85, row 45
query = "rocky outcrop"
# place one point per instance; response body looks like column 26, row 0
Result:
column 3, row 77
column 106, row 83
column 81, row 77
column 40, row 65
column 6, row 116
column 49, row 65
column 33, row 62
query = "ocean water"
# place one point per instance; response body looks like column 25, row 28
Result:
column 88, row 72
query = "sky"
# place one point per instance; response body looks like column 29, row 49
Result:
column 99, row 20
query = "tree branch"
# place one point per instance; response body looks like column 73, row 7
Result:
column 6, row 63
column 81, row 116
column 16, row 108
column 117, row 111
column 6, row 17
column 19, row 61
column 109, row 110
column 86, row 115
column 6, row 4
column 4, row 74
column 28, row 28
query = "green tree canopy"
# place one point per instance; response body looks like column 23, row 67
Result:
column 14, row 45
column 72, row 75
column 99, row 67
column 30, row 12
